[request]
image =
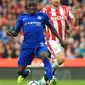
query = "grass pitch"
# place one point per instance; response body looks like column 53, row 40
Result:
column 60, row 82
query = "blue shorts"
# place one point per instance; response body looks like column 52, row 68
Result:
column 27, row 54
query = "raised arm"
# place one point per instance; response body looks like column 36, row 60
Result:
column 73, row 16
column 72, row 20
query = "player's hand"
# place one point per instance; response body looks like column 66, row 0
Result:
column 9, row 33
column 64, row 44
column 77, row 13
column 68, row 32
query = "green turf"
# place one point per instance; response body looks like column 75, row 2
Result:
column 60, row 82
column 12, row 82
column 71, row 82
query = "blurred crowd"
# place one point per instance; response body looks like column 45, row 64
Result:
column 10, row 47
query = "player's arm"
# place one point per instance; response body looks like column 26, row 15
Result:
column 68, row 30
column 12, row 33
column 73, row 17
column 72, row 21
column 16, row 30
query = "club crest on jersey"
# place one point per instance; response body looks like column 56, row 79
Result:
column 39, row 17
column 25, row 24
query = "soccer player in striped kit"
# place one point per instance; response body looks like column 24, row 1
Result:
column 60, row 16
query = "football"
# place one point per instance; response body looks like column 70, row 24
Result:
column 33, row 83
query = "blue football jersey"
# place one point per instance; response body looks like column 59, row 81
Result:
column 33, row 27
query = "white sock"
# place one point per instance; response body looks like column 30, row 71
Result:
column 55, row 63
column 43, row 81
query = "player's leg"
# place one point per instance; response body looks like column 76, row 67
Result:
column 58, row 57
column 56, row 60
column 57, row 54
column 57, row 51
column 23, row 73
column 24, row 60
column 55, row 64
column 43, row 53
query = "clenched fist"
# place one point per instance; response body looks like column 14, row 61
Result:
column 9, row 33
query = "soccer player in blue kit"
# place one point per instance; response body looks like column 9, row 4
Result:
column 32, row 24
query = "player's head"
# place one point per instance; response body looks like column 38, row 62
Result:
column 55, row 3
column 41, row 5
column 31, row 6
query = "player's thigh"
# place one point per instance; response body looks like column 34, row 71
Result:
column 59, row 54
column 55, row 48
column 25, row 57
column 42, row 52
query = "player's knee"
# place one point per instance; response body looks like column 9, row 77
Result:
column 61, row 60
column 44, row 55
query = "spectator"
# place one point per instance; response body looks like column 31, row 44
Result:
column 81, row 50
column 9, row 9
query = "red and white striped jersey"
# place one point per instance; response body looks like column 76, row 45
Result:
column 59, row 17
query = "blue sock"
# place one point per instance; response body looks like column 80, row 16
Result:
column 48, row 68
column 25, row 73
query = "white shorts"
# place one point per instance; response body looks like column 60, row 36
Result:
column 54, row 46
